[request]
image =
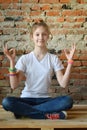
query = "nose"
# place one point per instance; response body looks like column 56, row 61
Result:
column 40, row 36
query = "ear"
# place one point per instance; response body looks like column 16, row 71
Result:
column 48, row 36
column 31, row 36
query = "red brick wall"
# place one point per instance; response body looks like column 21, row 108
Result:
column 67, row 20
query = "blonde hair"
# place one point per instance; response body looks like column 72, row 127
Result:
column 40, row 23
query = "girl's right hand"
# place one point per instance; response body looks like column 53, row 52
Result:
column 10, row 54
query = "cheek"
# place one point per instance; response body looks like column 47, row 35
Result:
column 34, row 38
column 47, row 37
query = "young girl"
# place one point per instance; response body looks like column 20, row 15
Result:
column 38, row 67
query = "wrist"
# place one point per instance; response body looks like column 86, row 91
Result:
column 11, row 69
column 70, row 61
column 12, row 64
column 12, row 72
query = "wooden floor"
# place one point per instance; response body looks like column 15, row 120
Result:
column 77, row 118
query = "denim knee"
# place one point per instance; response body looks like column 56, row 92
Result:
column 69, row 101
column 6, row 103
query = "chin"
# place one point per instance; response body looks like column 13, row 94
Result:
column 41, row 44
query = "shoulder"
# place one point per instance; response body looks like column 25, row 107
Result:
column 26, row 56
column 52, row 56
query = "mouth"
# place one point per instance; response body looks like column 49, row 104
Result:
column 40, row 40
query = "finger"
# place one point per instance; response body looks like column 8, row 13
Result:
column 4, row 44
column 5, row 47
column 64, row 51
column 74, row 45
column 12, row 51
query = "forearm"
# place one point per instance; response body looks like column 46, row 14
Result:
column 64, row 79
column 66, row 76
column 13, row 79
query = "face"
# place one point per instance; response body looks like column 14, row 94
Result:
column 40, row 36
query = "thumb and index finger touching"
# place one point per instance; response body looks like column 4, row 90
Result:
column 9, row 51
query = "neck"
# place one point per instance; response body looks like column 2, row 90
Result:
column 40, row 51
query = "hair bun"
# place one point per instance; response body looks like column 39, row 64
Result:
column 37, row 21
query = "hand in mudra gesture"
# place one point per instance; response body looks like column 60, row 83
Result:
column 10, row 53
column 70, row 53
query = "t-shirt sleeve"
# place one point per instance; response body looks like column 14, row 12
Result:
column 57, row 64
column 20, row 65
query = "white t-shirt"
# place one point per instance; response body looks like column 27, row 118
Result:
column 38, row 73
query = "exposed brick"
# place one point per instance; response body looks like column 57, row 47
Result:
column 5, row 64
column 20, row 25
column 69, row 19
column 77, row 26
column 80, row 19
column 76, row 56
column 50, row 20
column 83, row 57
column 2, row 77
column 0, row 64
column 4, row 6
column 61, row 19
column 77, row 63
column 64, row 1
column 52, row 13
column 15, row 1
column 5, row 1
column 4, row 71
column 2, row 19
column 4, row 83
column 83, row 70
column 47, row 1
column 74, row 13
column 8, row 1
column 81, row 1
column 75, row 70
column 35, row 7
column 1, row 57
column 84, row 52
column 14, row 13
column 84, row 63
column 28, row 19
column 78, row 76
column 76, row 96
column 79, row 82
column 8, row 31
column 77, row 12
column 35, row 13
column 1, row 32
column 61, row 31
column 81, row 31
column 30, row 1
column 62, row 56
column 0, row 13
column 17, row 6
column 56, row 7
column 67, row 13
column 45, row 7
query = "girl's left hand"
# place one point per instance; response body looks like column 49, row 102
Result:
column 69, row 53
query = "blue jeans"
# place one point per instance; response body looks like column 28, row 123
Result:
column 37, row 108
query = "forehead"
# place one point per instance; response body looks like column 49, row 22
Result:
column 40, row 29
